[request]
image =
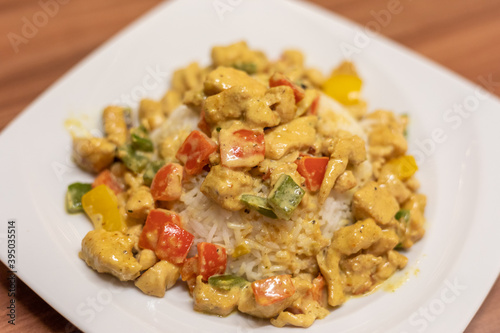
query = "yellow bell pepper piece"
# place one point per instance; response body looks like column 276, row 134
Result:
column 240, row 250
column 101, row 206
column 345, row 88
column 403, row 167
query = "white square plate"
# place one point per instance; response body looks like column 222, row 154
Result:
column 458, row 153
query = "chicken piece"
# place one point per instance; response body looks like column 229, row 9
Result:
column 315, row 77
column 93, row 154
column 237, row 103
column 139, row 203
column 223, row 78
column 298, row 134
column 345, row 182
column 345, row 149
column 188, row 78
column 157, row 279
column 134, row 232
column 146, row 258
column 356, row 237
column 305, row 310
column 170, row 145
column 375, row 201
column 391, row 263
column 151, row 114
column 305, row 313
column 247, row 303
column 115, row 124
column 358, row 272
column 412, row 184
column 328, row 262
column 259, row 113
column 226, row 105
column 310, row 96
column 239, row 56
column 110, row 252
column 387, row 142
column 215, row 301
column 394, row 185
column 386, row 135
column 415, row 227
column 170, row 101
column 387, row 242
column 225, row 186
column 282, row 100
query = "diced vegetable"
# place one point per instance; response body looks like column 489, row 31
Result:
column 318, row 291
column 259, row 204
column 156, row 220
column 403, row 167
column 240, row 250
column 195, row 151
column 202, row 124
column 272, row 290
column 140, row 139
column 313, row 170
column 313, row 110
column 74, row 196
column 151, row 170
column 248, row 67
column 167, row 183
column 132, row 159
column 101, row 206
column 345, row 88
column 212, row 260
column 189, row 269
column 403, row 215
column 108, row 179
column 226, row 282
column 173, row 243
column 285, row 197
column 241, row 148
column 279, row 79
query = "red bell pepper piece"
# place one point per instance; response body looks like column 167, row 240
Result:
column 279, row 79
column 313, row 170
column 167, row 183
column 272, row 290
column 173, row 243
column 195, row 151
column 108, row 179
column 313, row 109
column 202, row 124
column 156, row 220
column 212, row 260
column 241, row 148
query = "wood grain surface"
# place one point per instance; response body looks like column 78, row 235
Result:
column 463, row 35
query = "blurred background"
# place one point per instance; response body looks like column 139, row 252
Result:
column 42, row 39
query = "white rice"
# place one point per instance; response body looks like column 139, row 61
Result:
column 274, row 246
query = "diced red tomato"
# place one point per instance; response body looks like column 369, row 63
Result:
column 195, row 151
column 279, row 79
column 317, row 291
column 272, row 290
column 167, row 183
column 313, row 170
column 157, row 218
column 202, row 124
column 313, row 109
column 108, row 179
column 212, row 259
column 173, row 243
column 241, row 148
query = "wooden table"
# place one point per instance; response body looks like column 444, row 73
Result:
column 463, row 35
